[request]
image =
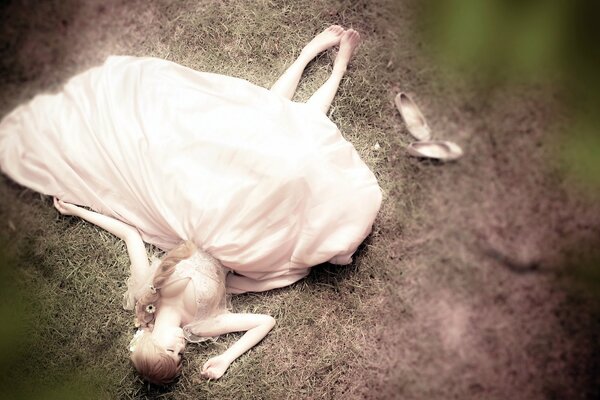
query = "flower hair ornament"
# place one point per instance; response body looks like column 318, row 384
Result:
column 136, row 338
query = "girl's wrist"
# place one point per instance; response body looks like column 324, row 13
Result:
column 227, row 356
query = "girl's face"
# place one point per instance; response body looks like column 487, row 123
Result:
column 173, row 341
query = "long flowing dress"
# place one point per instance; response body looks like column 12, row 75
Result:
column 266, row 185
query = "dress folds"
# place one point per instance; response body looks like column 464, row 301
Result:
column 266, row 185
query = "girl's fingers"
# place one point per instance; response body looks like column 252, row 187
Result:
column 205, row 367
column 57, row 204
column 206, row 375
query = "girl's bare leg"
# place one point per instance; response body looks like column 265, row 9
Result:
column 323, row 97
column 287, row 83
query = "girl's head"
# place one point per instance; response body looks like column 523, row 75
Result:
column 153, row 361
column 155, row 353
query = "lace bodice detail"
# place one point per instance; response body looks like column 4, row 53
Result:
column 207, row 276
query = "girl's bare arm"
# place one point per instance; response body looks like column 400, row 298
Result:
column 135, row 245
column 256, row 326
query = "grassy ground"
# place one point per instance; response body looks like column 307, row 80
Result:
column 463, row 290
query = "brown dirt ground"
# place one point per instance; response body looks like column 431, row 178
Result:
column 486, row 305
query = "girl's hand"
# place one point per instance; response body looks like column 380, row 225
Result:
column 65, row 208
column 215, row 367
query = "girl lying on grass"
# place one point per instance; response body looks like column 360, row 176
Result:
column 182, row 298
column 245, row 189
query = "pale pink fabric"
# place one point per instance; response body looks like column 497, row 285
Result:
column 266, row 185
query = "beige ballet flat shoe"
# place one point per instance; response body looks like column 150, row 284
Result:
column 437, row 149
column 414, row 120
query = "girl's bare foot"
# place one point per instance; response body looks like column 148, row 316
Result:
column 323, row 97
column 287, row 83
column 348, row 43
column 324, row 40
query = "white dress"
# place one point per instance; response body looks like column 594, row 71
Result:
column 266, row 185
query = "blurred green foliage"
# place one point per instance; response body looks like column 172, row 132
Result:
column 25, row 371
column 499, row 42
column 502, row 38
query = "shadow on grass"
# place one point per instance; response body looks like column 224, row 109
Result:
column 27, row 366
column 333, row 276
column 580, row 273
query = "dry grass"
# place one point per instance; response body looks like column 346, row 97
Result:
column 432, row 306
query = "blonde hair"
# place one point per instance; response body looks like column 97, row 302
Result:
column 151, row 360
column 153, row 363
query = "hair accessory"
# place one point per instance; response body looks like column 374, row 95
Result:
column 136, row 338
column 152, row 289
column 150, row 309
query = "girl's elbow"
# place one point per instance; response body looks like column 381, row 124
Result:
column 131, row 236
